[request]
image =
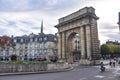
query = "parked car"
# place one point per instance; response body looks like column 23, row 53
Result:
column 41, row 59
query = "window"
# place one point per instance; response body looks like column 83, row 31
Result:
column 31, row 45
column 45, row 45
column 36, row 45
column 21, row 40
column 45, row 51
column 40, row 45
column 20, row 46
column 40, row 51
column 20, row 53
column 55, row 39
column 15, row 40
column 36, row 39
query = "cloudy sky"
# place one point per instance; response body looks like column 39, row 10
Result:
column 19, row 17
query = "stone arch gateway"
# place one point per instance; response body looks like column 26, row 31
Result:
column 84, row 23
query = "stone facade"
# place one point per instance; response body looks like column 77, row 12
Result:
column 84, row 23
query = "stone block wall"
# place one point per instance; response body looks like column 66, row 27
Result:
column 11, row 68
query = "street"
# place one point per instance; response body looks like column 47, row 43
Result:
column 79, row 73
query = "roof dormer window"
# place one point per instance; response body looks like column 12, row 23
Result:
column 31, row 40
column 15, row 40
column 40, row 39
column 45, row 38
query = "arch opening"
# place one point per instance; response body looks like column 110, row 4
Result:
column 74, row 47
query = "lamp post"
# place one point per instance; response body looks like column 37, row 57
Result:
column 119, row 25
column 119, row 21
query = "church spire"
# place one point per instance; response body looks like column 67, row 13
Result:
column 42, row 27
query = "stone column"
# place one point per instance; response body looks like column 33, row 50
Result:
column 63, row 45
column 88, row 41
column 82, row 43
column 59, row 46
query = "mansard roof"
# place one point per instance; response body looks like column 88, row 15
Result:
column 40, row 38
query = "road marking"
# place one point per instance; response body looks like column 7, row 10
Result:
column 82, row 78
column 99, row 76
column 116, row 72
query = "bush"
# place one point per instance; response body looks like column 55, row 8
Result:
column 19, row 62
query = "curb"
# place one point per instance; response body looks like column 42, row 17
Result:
column 41, row 72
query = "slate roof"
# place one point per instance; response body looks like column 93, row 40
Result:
column 40, row 38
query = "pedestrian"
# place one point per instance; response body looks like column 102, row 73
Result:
column 113, row 63
column 110, row 63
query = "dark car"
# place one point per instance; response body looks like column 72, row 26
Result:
column 41, row 59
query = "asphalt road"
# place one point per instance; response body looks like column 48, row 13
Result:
column 81, row 73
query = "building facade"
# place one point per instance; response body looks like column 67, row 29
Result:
column 34, row 46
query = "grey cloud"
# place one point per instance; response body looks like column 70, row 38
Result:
column 28, row 5
column 27, row 22
column 107, row 26
column 24, row 31
column 113, row 36
column 3, row 31
column 36, row 27
column 11, row 23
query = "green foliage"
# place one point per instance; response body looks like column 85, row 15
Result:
column 110, row 49
column 104, row 49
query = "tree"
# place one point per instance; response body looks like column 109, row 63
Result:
column 104, row 49
column 112, row 50
column 117, row 51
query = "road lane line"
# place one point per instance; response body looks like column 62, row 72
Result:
column 99, row 76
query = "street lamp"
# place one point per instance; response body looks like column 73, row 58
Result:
column 119, row 21
column 119, row 25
